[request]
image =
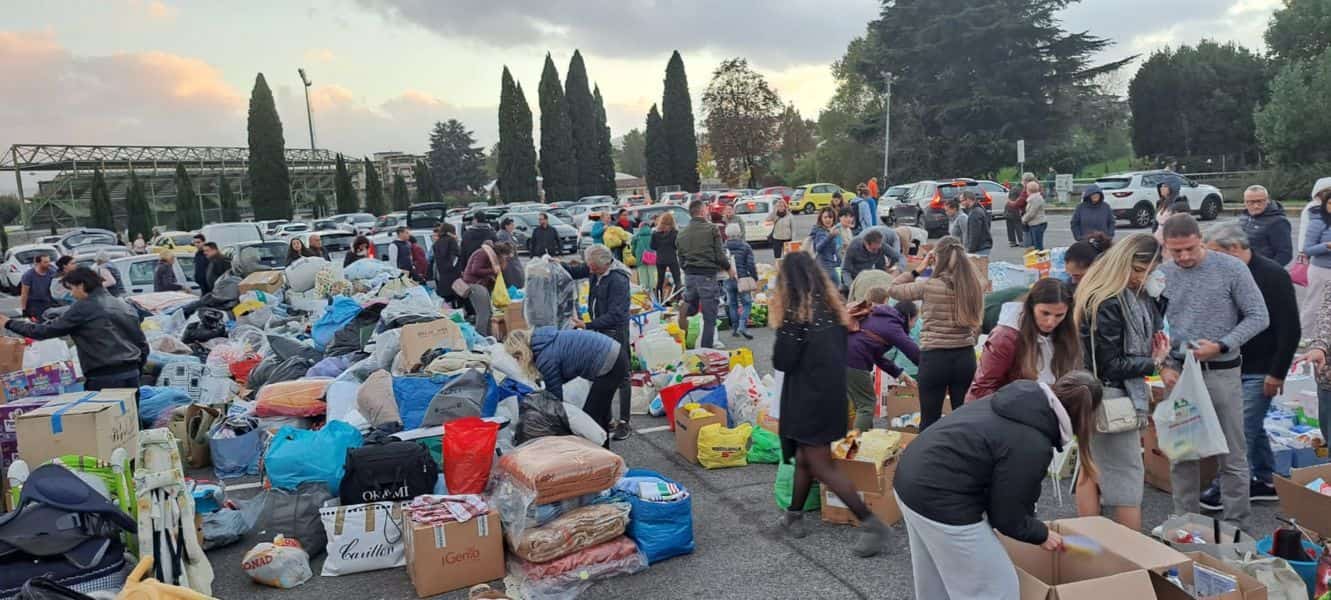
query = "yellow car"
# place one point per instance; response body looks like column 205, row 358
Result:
column 174, row 240
column 811, row 197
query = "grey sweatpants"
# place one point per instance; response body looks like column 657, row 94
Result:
column 956, row 562
column 1226, row 390
column 480, row 302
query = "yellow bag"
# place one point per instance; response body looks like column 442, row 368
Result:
column 741, row 358
column 720, row 447
column 630, row 259
column 247, row 307
column 499, row 295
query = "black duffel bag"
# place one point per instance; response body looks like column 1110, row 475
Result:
column 392, row 471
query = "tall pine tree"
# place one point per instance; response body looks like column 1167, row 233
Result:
column 582, row 121
column 457, row 165
column 401, row 197
column 140, row 213
column 677, row 123
column 270, row 182
column 559, row 164
column 344, row 189
column 101, row 203
column 426, row 190
column 188, row 212
column 226, row 199
column 605, row 151
column 374, row 189
column 517, row 152
column 657, row 159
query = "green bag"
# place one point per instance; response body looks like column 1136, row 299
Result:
column 765, row 448
column 695, row 331
column 783, row 489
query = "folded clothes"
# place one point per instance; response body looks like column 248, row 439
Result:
column 430, row 509
column 577, row 529
column 617, row 549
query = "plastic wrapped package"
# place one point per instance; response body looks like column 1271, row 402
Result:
column 582, row 424
column 575, row 530
column 414, row 301
column 385, row 347
column 157, row 403
column 303, row 398
column 281, row 564
column 566, row 578
column 368, row 269
column 300, row 273
column 550, row 294
column 374, row 399
column 560, row 467
column 541, row 414
column 340, row 399
column 165, row 324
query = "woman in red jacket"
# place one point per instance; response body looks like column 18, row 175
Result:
column 1033, row 340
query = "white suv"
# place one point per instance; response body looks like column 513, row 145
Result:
column 1132, row 196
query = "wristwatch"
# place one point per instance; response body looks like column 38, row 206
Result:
column 1224, row 348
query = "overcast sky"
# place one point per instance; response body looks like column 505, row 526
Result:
column 174, row 72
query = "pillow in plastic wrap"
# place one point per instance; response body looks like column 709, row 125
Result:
column 368, row 269
column 301, row 273
column 550, row 294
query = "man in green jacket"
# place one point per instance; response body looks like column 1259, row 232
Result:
column 702, row 258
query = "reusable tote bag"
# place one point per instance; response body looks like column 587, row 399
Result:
column 363, row 537
column 1186, row 421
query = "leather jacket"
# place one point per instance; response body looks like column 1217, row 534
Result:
column 1112, row 363
column 105, row 329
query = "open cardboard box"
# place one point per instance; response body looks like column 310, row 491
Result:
column 1157, row 464
column 904, row 399
column 686, row 429
column 1046, row 575
column 1141, row 550
column 873, row 483
column 1311, row 509
column 1248, row 587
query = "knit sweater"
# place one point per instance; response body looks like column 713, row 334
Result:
column 1216, row 300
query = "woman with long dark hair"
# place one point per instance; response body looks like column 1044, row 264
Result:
column 1033, row 340
column 811, row 350
column 295, row 250
column 447, row 262
column 953, row 310
column 981, row 470
column 1121, row 320
column 360, row 248
column 826, row 244
column 667, row 258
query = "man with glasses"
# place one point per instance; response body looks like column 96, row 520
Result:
column 1267, row 227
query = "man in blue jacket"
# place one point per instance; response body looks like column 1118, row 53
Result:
column 866, row 209
column 1267, row 227
column 1092, row 215
column 608, row 306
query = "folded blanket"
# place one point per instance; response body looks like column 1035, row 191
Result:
column 617, row 549
column 577, row 529
column 559, row 467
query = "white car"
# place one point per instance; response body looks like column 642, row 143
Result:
column 291, row 230
column 580, row 211
column 997, row 196
column 888, row 200
column 753, row 211
column 1132, row 196
column 19, row 259
column 269, row 227
column 137, row 272
column 230, row 234
column 363, row 223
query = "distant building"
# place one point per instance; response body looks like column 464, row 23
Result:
column 629, row 185
column 390, row 164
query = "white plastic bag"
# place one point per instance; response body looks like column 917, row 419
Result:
column 1186, row 422
column 280, row 564
column 745, row 394
column 45, row 352
column 774, row 389
column 363, row 537
column 576, row 390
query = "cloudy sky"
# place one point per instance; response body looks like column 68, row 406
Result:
column 175, row 72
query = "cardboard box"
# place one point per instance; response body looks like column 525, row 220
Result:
column 418, row 338
column 513, row 317
column 1140, row 550
column 262, row 281
column 1157, row 464
column 82, row 423
column 873, row 483
column 451, row 556
column 686, row 430
column 905, row 399
column 1046, row 575
column 11, row 354
column 1249, row 587
column 884, row 506
column 196, row 419
column 1311, row 509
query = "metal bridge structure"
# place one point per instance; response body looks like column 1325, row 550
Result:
column 64, row 200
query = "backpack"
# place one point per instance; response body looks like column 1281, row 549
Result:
column 392, row 471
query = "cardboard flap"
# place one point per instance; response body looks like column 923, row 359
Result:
column 1138, row 549
column 1122, row 586
column 417, row 338
column 1311, row 509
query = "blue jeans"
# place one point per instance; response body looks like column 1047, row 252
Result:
column 1035, row 236
column 1324, row 412
column 738, row 306
column 1255, row 404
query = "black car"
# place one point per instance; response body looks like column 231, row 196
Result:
column 525, row 222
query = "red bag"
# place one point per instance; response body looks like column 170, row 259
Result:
column 1298, row 272
column 240, row 370
column 469, row 449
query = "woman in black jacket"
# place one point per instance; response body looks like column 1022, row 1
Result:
column 447, row 264
column 663, row 243
column 981, row 469
column 1123, row 341
column 811, row 350
column 360, row 248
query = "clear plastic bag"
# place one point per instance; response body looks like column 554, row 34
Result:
column 1186, row 423
column 568, row 577
column 281, row 564
column 550, row 294
column 572, row 531
column 560, row 467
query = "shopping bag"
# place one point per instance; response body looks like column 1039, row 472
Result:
column 745, row 394
column 1186, row 421
column 720, row 447
column 765, row 448
column 499, row 295
column 785, row 487
column 661, row 529
column 363, row 537
column 469, row 447
column 1298, row 272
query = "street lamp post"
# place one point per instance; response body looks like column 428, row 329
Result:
column 309, row 114
column 887, row 125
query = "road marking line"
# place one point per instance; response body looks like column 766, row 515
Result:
column 244, row 486
column 652, row 429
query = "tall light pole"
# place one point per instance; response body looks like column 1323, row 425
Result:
column 887, row 125
column 309, row 114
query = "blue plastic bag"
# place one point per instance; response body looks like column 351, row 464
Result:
column 413, row 394
column 342, row 311
column 236, row 456
column 714, row 395
column 331, row 366
column 154, row 402
column 496, row 392
column 661, row 529
column 296, row 456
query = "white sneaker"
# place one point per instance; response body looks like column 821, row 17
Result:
column 717, row 345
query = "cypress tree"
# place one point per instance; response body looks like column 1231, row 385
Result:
column 401, row 197
column 101, row 203
column 188, row 217
column 605, row 151
column 677, row 122
column 141, row 219
column 657, row 154
column 426, row 190
column 270, row 182
column 517, row 152
column 559, row 165
column 582, row 121
column 227, row 200
column 343, row 189
column 374, row 189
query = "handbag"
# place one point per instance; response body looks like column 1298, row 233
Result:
column 747, row 284
column 460, row 288
column 1298, row 272
column 1116, row 413
column 395, row 470
column 649, row 258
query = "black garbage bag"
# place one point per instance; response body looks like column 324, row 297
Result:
column 461, row 397
column 285, row 347
column 273, row 369
column 211, row 324
column 353, row 336
column 541, row 414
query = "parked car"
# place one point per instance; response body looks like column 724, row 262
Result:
column 331, row 225
column 390, row 222
column 808, row 199
column 635, row 200
column 707, row 197
column 271, row 254
column 996, row 193
column 137, row 271
column 596, row 200
column 922, row 204
column 1132, row 196
column 777, row 190
column 676, row 198
column 269, row 227
column 361, row 222
column 70, row 242
column 382, row 240
column 753, row 211
column 173, row 239
column 525, row 222
column 336, row 243
column 48, row 239
column 291, row 230
column 891, row 198
column 89, row 258
column 19, row 259
column 230, row 234
column 580, row 211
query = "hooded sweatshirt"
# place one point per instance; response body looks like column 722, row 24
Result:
column 987, row 459
column 1090, row 217
column 1269, row 233
column 883, row 330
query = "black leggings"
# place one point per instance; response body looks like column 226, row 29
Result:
column 815, row 462
column 660, row 278
column 777, row 247
column 943, row 373
column 603, row 393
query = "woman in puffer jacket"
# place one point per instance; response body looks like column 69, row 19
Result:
column 1035, row 339
column 556, row 356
